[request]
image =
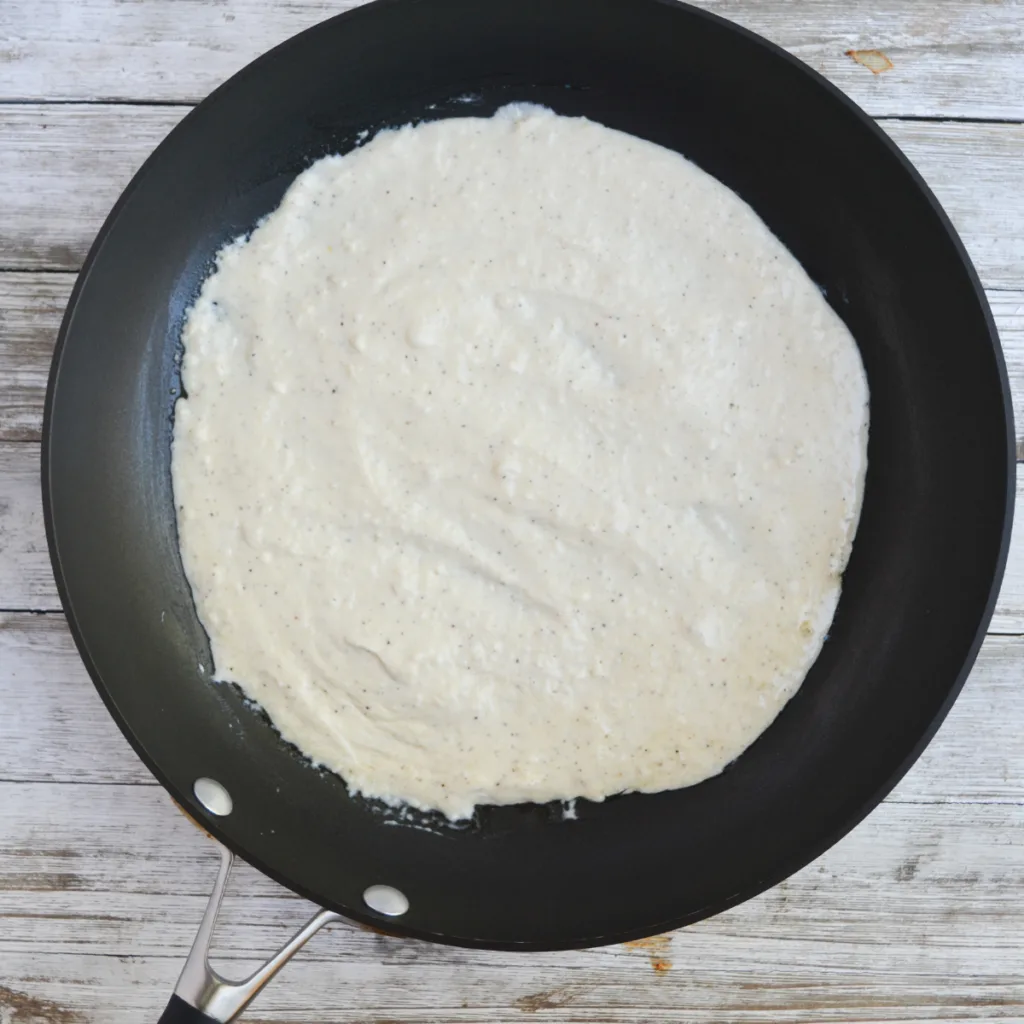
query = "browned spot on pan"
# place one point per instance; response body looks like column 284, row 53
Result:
column 21, row 1008
column 657, row 947
column 191, row 819
column 874, row 60
column 376, row 931
column 550, row 999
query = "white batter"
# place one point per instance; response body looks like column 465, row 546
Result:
column 520, row 461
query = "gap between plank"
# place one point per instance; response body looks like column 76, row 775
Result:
column 891, row 800
column 116, row 101
column 948, row 119
column 142, row 784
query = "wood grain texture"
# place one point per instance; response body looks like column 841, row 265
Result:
column 63, row 167
column 31, row 307
column 25, row 578
column 1009, row 612
column 926, row 895
column 588, row 990
column 53, row 725
column 973, row 169
column 1008, row 313
column 55, row 728
column 957, row 58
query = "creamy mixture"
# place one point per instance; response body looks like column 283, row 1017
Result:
column 519, row 461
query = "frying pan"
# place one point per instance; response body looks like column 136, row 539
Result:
column 917, row 595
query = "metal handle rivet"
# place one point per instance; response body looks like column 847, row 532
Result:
column 213, row 796
column 386, row 900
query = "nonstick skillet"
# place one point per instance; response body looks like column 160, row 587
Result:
column 917, row 595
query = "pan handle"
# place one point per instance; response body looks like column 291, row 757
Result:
column 202, row 996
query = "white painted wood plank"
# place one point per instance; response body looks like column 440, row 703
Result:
column 25, row 577
column 80, row 990
column 973, row 170
column 54, row 727
column 32, row 305
column 958, row 58
column 931, row 900
column 977, row 754
column 26, row 582
column 62, row 168
column 1008, row 313
column 1009, row 611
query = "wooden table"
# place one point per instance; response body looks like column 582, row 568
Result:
column 917, row 915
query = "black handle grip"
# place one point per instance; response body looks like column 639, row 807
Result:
column 179, row 1012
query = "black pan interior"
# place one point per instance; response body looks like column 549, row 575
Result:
column 919, row 589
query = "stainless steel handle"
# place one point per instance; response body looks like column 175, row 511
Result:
column 202, row 989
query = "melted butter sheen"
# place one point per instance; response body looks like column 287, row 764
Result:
column 520, row 461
